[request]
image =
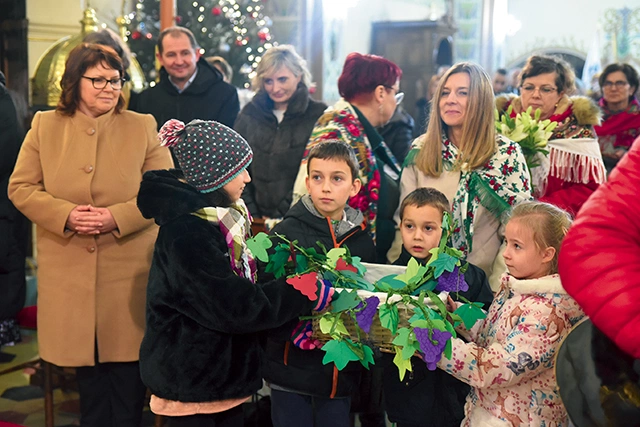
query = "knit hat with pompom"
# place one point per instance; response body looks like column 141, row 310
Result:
column 209, row 153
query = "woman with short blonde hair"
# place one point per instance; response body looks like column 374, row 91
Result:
column 277, row 124
column 276, row 57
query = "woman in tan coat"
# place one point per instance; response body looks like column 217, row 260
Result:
column 77, row 178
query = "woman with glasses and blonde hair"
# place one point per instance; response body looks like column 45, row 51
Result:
column 77, row 178
column 621, row 112
column 573, row 169
column 277, row 124
column 370, row 90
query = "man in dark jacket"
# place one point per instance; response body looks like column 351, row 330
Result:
column 189, row 88
column 13, row 226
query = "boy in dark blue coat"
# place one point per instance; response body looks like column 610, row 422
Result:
column 428, row 398
column 304, row 391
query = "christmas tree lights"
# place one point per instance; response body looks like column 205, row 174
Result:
column 237, row 30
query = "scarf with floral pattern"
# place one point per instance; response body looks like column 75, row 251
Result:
column 500, row 184
column 340, row 123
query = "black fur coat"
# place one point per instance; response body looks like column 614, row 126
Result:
column 204, row 323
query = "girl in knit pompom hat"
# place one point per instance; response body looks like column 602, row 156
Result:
column 200, row 355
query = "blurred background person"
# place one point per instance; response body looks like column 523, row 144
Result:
column 513, row 82
column 108, row 37
column 499, row 81
column 398, row 133
column 14, row 228
column 221, row 64
column 277, row 124
column 424, row 104
column 573, row 168
column 620, row 112
column 480, row 173
column 370, row 90
column 77, row 177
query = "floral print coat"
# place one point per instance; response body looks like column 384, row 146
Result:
column 509, row 361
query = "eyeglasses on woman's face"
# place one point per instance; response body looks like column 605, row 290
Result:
column 543, row 90
column 620, row 84
column 399, row 96
column 101, row 83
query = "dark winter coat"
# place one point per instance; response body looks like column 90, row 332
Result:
column 398, row 133
column 431, row 398
column 202, row 340
column 208, row 97
column 13, row 225
column 304, row 371
column 277, row 149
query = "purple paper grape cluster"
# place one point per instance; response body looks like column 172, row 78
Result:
column 452, row 282
column 365, row 316
column 431, row 352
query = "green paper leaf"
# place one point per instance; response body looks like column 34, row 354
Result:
column 469, row 314
column 448, row 349
column 345, row 301
column 389, row 317
column 258, row 246
column 356, row 262
column 403, row 338
column 277, row 261
column 367, row 360
column 301, row 263
column 435, row 253
column 334, row 254
column 339, row 353
column 360, row 282
column 421, row 323
column 331, row 326
column 429, row 285
column 444, row 262
column 435, row 299
column 412, row 269
column 419, row 275
column 410, row 350
column 330, row 276
column 417, row 315
column 403, row 364
column 390, row 283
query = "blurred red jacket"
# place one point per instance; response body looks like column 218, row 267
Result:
column 600, row 258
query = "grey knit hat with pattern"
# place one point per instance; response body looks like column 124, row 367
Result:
column 210, row 154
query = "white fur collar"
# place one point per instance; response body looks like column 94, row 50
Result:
column 543, row 285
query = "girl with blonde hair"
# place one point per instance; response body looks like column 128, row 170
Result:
column 482, row 173
column 510, row 357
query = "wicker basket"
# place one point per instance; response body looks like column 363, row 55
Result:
column 378, row 336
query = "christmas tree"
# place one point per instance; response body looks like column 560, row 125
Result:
column 237, row 30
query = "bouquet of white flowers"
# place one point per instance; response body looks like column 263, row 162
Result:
column 532, row 134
